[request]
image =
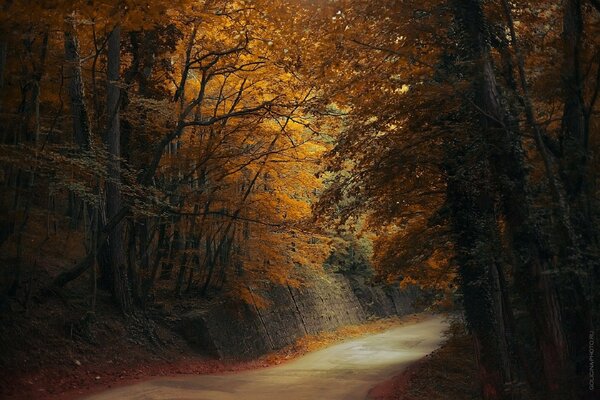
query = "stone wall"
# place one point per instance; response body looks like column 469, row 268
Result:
column 324, row 303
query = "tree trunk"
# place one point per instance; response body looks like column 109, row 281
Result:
column 133, row 268
column 576, row 180
column 573, row 137
column 32, row 134
column 115, row 249
column 507, row 163
column 148, row 283
column 79, row 113
column 3, row 54
column 474, row 230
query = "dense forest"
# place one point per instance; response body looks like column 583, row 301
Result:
column 197, row 149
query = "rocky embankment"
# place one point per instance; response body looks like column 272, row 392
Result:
column 323, row 303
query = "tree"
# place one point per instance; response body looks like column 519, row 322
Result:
column 404, row 173
column 115, row 253
column 193, row 160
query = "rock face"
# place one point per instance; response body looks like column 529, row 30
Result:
column 325, row 303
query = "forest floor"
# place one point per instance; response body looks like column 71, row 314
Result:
column 56, row 349
column 449, row 373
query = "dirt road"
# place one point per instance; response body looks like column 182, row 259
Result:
column 344, row 371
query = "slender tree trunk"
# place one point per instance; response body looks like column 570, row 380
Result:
column 153, row 274
column 183, row 260
column 3, row 55
column 145, row 239
column 521, row 366
column 8, row 223
column 573, row 139
column 33, row 133
column 195, row 265
column 115, row 249
column 133, row 269
column 79, row 113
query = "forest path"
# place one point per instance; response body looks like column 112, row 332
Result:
column 343, row 371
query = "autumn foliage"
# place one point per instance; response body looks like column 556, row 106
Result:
column 218, row 145
column 208, row 148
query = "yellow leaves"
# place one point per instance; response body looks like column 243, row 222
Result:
column 438, row 260
column 189, row 71
column 408, row 281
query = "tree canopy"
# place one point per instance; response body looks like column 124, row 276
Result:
column 209, row 147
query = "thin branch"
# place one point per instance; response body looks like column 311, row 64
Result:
column 232, row 216
column 410, row 58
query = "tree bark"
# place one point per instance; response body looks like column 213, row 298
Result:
column 576, row 180
column 573, row 137
column 474, row 231
column 148, row 283
column 79, row 113
column 3, row 55
column 115, row 249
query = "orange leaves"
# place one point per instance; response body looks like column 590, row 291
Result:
column 242, row 182
column 243, row 292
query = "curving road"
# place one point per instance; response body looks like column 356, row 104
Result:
column 344, row 371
